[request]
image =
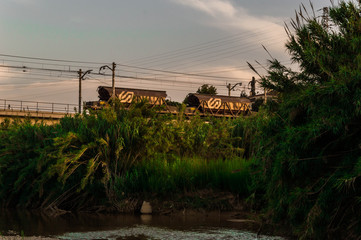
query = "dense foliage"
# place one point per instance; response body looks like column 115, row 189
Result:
column 204, row 89
column 94, row 160
column 207, row 89
column 309, row 144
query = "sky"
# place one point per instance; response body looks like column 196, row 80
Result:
column 170, row 45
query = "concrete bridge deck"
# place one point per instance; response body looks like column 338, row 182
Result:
column 45, row 117
column 36, row 111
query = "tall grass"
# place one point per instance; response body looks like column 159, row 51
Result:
column 24, row 165
column 161, row 176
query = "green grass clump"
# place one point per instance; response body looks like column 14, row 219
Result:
column 162, row 176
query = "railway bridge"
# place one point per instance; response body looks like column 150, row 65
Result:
column 46, row 112
column 50, row 113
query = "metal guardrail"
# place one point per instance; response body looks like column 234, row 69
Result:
column 32, row 106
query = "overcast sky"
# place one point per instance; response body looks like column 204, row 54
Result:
column 207, row 37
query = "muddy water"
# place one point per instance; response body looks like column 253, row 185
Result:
column 127, row 227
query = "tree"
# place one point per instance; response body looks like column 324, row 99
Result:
column 243, row 94
column 204, row 89
column 312, row 161
column 257, row 104
column 207, row 89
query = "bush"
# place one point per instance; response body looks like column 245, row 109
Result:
column 75, row 164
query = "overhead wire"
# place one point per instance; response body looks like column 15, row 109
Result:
column 244, row 67
column 161, row 83
column 213, row 53
column 64, row 66
column 150, row 80
column 21, row 73
column 69, row 70
column 51, row 59
column 58, row 60
column 224, row 55
column 33, row 80
column 201, row 71
column 142, row 68
column 168, row 85
column 156, row 81
column 196, row 46
column 124, row 65
column 178, row 85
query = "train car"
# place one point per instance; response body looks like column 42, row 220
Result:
column 128, row 96
column 202, row 104
column 219, row 105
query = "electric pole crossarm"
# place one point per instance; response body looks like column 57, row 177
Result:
column 230, row 88
column 113, row 75
column 104, row 67
column 81, row 77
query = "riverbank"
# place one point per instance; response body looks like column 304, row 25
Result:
column 200, row 200
column 188, row 210
column 98, row 226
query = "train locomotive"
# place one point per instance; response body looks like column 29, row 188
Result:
column 202, row 104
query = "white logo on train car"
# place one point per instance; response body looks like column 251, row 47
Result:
column 214, row 103
column 126, row 97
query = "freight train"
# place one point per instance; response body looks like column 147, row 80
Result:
column 202, row 104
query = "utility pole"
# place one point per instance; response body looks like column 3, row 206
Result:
column 325, row 16
column 230, row 87
column 113, row 76
column 265, row 96
column 253, row 86
column 81, row 77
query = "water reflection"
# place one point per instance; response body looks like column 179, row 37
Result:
column 119, row 226
column 37, row 223
column 146, row 219
column 148, row 232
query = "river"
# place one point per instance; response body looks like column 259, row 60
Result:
column 127, row 227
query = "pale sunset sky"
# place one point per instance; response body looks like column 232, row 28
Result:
column 156, row 44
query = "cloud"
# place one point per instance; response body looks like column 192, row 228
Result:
column 231, row 17
column 212, row 7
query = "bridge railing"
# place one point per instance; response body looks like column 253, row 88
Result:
column 32, row 106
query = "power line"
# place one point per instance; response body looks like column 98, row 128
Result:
column 20, row 73
column 152, row 80
column 24, row 68
column 50, row 59
column 178, row 73
column 198, row 46
column 224, row 55
column 124, row 65
column 170, row 84
column 214, row 53
column 68, row 66
column 203, row 71
column 241, row 67
column 127, row 66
